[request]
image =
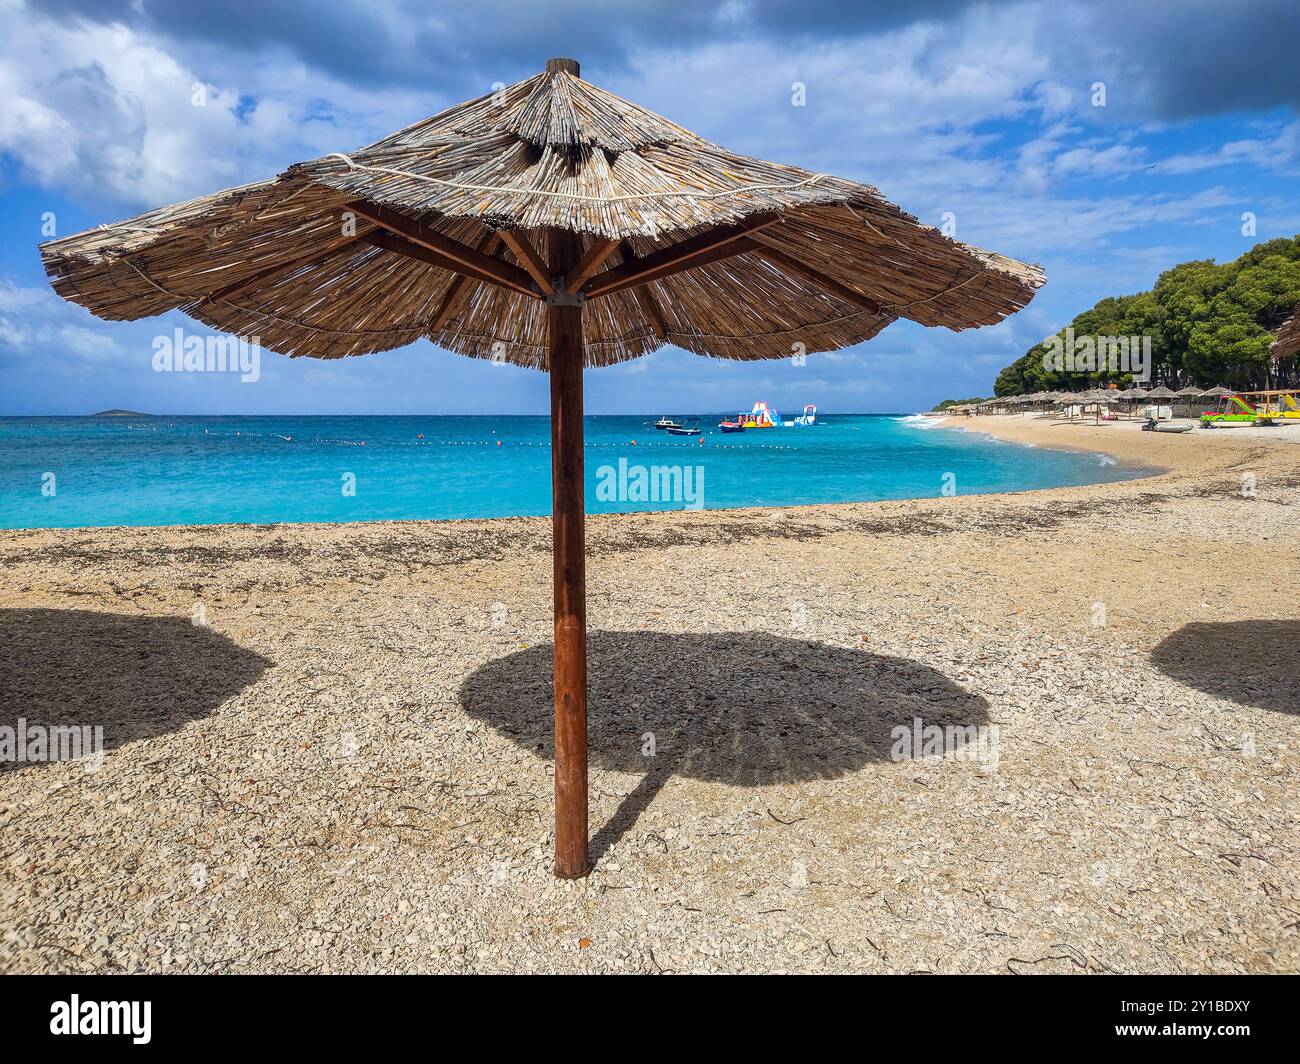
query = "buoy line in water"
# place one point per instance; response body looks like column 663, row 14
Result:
column 660, row 445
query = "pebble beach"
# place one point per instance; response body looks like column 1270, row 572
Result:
column 327, row 747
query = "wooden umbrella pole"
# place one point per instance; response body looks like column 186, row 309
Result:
column 564, row 344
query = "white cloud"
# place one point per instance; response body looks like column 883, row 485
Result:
column 102, row 109
column 36, row 323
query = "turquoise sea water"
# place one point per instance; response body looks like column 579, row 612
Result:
column 61, row 472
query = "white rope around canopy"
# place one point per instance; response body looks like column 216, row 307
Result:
column 575, row 195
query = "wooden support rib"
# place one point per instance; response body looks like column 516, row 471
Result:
column 529, row 259
column 739, row 246
column 710, row 246
column 651, row 310
column 589, row 263
column 394, row 243
column 467, row 259
column 461, row 288
column 828, row 284
column 642, row 295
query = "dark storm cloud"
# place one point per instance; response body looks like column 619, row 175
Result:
column 415, row 43
column 1180, row 59
column 1203, row 57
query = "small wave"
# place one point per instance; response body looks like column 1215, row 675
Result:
column 920, row 421
column 1105, row 460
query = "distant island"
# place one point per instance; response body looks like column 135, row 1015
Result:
column 120, row 413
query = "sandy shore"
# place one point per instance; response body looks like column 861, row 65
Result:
column 345, row 767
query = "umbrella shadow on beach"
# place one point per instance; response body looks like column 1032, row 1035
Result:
column 1251, row 663
column 744, row 708
column 132, row 676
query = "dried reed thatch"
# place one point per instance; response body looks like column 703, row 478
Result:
column 823, row 262
column 1288, row 337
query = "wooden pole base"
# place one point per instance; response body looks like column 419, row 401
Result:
column 564, row 331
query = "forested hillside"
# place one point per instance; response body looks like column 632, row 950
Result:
column 1207, row 324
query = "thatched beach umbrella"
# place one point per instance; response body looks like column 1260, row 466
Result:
column 1098, row 397
column 1288, row 338
column 1217, row 392
column 1133, row 395
column 557, row 226
column 1067, row 399
column 1190, row 392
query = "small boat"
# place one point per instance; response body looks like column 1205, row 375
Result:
column 691, row 428
column 732, row 426
column 666, row 423
column 1176, row 425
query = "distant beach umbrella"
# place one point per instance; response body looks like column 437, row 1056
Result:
column 1190, row 392
column 1161, row 393
column 1218, row 392
column 556, row 226
column 1134, row 394
column 1100, row 397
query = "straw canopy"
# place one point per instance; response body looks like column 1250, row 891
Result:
column 1161, row 393
column 1189, row 392
column 1135, row 393
column 445, row 229
column 1218, row 392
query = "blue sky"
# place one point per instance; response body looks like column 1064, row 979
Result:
column 983, row 111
